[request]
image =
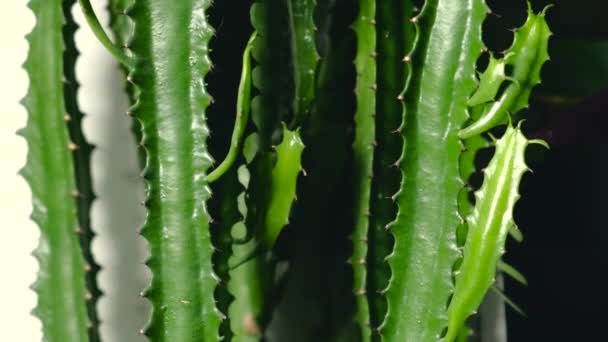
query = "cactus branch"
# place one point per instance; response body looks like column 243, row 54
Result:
column 101, row 34
column 489, row 225
column 242, row 115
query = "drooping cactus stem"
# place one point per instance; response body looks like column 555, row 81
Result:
column 242, row 115
column 101, row 34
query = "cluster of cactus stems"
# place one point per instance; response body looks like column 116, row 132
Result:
column 423, row 254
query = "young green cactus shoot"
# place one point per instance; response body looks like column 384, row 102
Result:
column 397, row 130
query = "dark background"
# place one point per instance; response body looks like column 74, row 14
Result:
column 564, row 251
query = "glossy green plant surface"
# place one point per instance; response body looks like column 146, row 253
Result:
column 283, row 183
column 392, row 112
column 50, row 171
column 435, row 109
column 489, row 82
column 526, row 56
column 99, row 32
column 304, row 55
column 171, row 60
column 489, row 225
column 363, row 149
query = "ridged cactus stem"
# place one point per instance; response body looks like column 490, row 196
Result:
column 489, row 225
column 61, row 284
column 395, row 37
column 304, row 56
column 363, row 148
column 82, row 166
column 448, row 35
column 171, row 60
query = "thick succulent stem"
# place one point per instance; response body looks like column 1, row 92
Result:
column 449, row 34
column 171, row 61
column 363, row 148
column 50, row 171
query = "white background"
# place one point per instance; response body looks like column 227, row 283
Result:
column 117, row 214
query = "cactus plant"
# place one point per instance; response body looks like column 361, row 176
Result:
column 229, row 240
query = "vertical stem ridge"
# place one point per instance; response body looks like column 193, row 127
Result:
column 82, row 168
column 395, row 37
column 61, row 284
column 363, row 148
column 170, row 46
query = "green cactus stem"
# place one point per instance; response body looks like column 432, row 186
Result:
column 448, row 34
column 170, row 47
column 395, row 37
column 82, row 166
column 50, row 170
column 489, row 225
column 242, row 115
column 527, row 56
column 304, row 56
column 283, row 183
column 363, row 148
column 101, row 35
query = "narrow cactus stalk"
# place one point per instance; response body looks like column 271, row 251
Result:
column 363, row 149
column 242, row 115
column 304, row 56
column 448, row 34
column 82, row 167
column 489, row 225
column 101, row 34
column 171, row 60
column 50, row 170
column 395, row 37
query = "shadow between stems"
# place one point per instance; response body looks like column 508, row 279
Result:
column 118, row 214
